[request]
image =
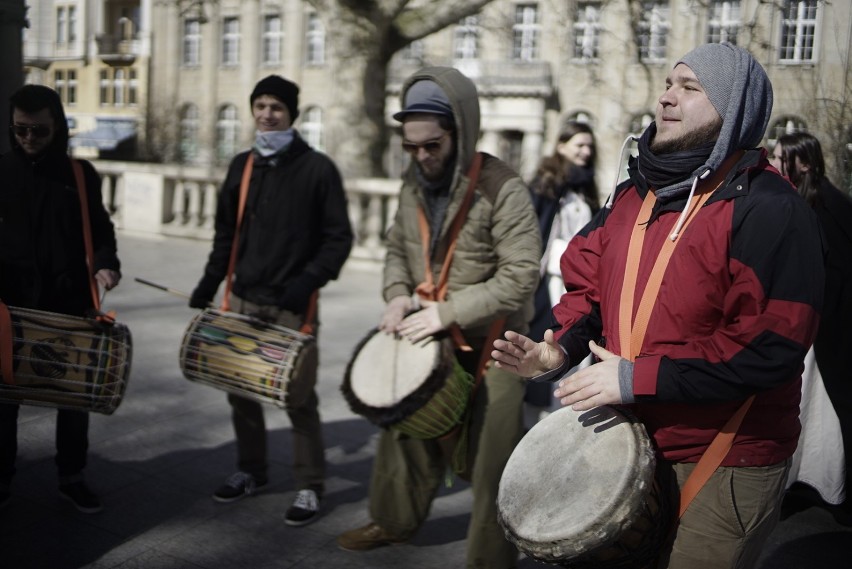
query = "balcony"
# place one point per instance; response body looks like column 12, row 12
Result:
column 492, row 78
column 114, row 49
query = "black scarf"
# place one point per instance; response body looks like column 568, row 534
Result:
column 666, row 172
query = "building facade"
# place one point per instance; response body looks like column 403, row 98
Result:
column 536, row 65
column 96, row 54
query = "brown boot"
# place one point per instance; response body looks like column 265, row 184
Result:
column 368, row 537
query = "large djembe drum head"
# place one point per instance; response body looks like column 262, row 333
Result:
column 579, row 491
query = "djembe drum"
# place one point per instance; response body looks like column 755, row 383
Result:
column 66, row 361
column 249, row 357
column 579, row 491
column 419, row 389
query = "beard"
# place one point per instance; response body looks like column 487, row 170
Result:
column 703, row 135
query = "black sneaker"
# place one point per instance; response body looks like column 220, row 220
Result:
column 83, row 499
column 239, row 485
column 304, row 510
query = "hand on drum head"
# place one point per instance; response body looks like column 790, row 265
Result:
column 421, row 324
column 395, row 311
column 592, row 386
column 522, row 356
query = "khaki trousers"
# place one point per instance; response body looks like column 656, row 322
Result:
column 728, row 522
column 407, row 472
column 250, row 429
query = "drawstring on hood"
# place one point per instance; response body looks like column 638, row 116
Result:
column 630, row 138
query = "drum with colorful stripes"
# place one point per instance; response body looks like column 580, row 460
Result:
column 246, row 356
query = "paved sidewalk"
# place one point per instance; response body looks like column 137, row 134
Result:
column 157, row 459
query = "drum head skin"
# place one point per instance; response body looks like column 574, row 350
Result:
column 389, row 377
column 575, row 482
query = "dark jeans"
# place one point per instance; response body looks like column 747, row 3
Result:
column 72, row 442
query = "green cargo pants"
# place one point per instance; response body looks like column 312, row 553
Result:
column 407, row 472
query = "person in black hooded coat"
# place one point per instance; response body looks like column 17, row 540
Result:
column 43, row 260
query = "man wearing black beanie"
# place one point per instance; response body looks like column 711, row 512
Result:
column 294, row 236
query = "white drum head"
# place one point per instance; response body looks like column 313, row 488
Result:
column 575, row 482
column 388, row 368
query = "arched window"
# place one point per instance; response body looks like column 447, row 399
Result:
column 783, row 125
column 227, row 133
column 188, row 137
column 640, row 122
column 580, row 116
column 310, row 127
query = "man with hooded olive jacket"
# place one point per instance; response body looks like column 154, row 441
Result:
column 492, row 276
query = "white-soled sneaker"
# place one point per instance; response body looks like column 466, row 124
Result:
column 304, row 510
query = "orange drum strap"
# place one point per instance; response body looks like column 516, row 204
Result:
column 428, row 289
column 87, row 229
column 232, row 261
column 632, row 334
column 6, row 344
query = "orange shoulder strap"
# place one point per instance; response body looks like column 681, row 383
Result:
column 6, row 366
column 429, row 289
column 632, row 332
column 80, row 180
column 232, row 261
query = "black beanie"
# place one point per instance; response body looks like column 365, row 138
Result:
column 286, row 91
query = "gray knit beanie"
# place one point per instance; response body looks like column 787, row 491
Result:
column 714, row 66
column 740, row 91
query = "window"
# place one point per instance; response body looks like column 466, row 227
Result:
column 132, row 87
column 525, row 32
column 272, row 39
column 783, row 125
column 119, row 86
column 724, row 21
column 412, row 52
column 798, row 30
column 104, row 87
column 639, row 123
column 466, row 38
column 59, row 83
column 311, row 127
column 315, row 41
column 188, row 146
column 231, row 41
column 227, row 133
column 72, row 24
column 192, row 42
column 587, row 30
column 61, row 25
column 511, row 148
column 654, row 31
column 71, row 85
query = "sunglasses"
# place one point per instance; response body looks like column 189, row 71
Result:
column 431, row 146
column 35, row 130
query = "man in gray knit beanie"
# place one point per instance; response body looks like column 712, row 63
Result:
column 704, row 277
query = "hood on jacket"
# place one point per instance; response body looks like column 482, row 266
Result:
column 32, row 99
column 740, row 91
column 464, row 101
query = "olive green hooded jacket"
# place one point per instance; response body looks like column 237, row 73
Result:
column 495, row 268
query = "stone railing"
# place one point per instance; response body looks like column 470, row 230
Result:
column 180, row 201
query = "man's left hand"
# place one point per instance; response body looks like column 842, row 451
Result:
column 107, row 278
column 421, row 324
column 593, row 386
